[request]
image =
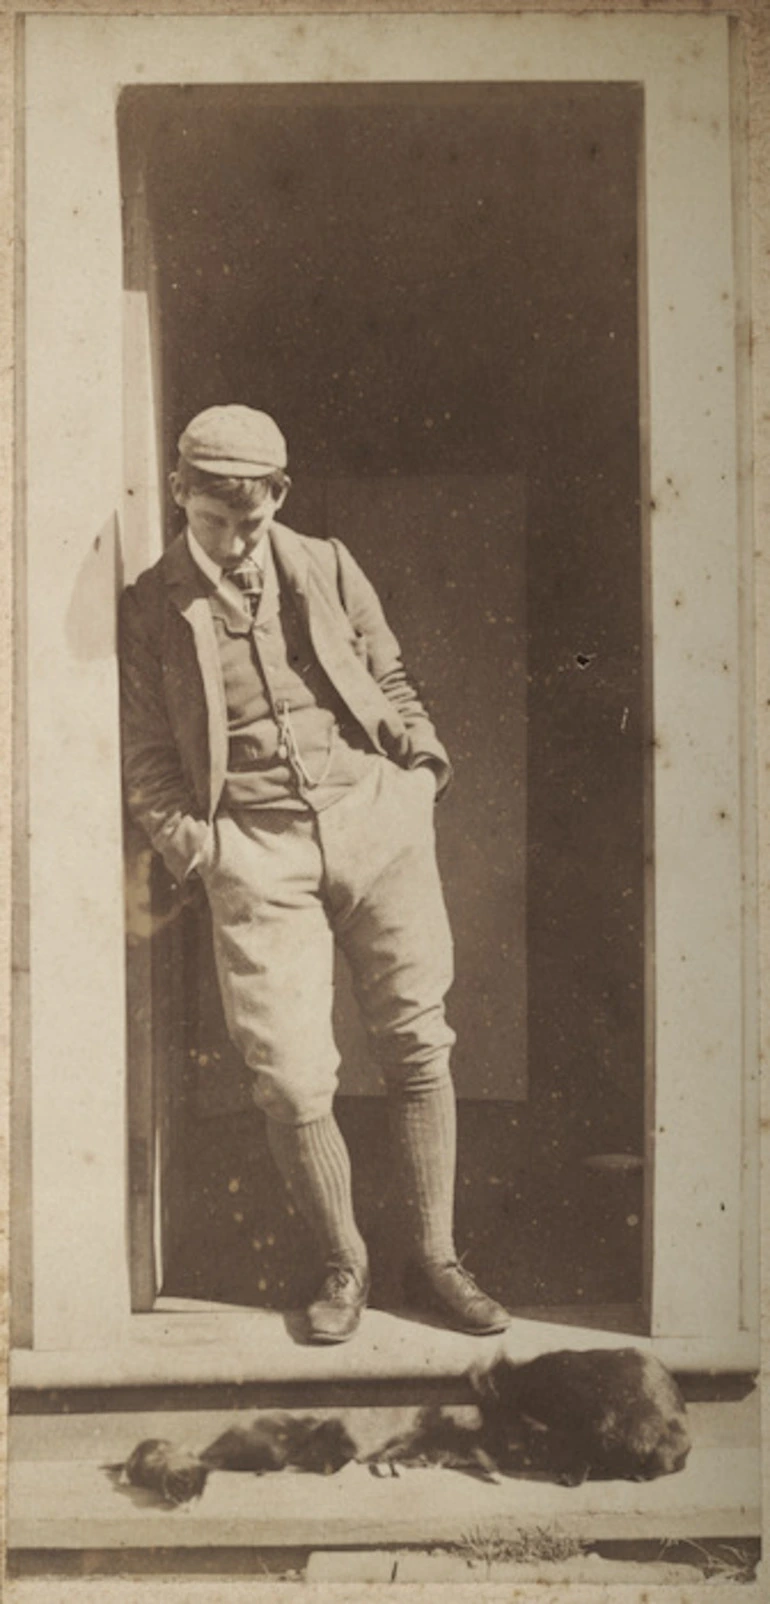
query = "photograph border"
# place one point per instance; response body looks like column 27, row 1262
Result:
column 755, row 28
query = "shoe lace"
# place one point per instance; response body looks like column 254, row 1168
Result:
column 465, row 1275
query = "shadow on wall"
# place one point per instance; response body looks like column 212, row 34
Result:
column 90, row 623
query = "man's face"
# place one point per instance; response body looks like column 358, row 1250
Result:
column 228, row 534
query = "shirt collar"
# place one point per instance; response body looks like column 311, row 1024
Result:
column 201, row 558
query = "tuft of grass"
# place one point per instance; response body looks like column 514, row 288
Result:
column 528, row 1545
column 719, row 1561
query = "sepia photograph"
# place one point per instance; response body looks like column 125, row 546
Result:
column 385, row 1073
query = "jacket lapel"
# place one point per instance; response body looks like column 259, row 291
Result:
column 332, row 635
column 189, row 590
column 294, row 567
column 292, row 563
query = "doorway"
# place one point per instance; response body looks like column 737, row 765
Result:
column 434, row 288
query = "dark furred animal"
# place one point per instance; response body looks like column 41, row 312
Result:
column 440, row 1435
column 605, row 1413
column 173, row 1473
column 271, row 1442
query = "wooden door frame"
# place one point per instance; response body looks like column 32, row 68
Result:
column 703, row 1212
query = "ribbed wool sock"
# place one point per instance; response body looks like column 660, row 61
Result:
column 423, row 1123
column 315, row 1164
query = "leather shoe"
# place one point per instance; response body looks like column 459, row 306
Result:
column 450, row 1291
column 335, row 1312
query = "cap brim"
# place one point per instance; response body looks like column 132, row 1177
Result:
column 231, row 467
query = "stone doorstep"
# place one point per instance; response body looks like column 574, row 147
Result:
column 179, row 1348
column 383, row 1565
column 61, row 1494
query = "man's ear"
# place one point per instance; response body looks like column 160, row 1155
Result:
column 176, row 490
column 279, row 499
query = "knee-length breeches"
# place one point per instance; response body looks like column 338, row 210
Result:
column 282, row 887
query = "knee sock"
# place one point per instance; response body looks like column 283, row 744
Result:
column 314, row 1163
column 423, row 1125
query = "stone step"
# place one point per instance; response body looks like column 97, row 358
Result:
column 383, row 1565
column 186, row 1344
column 64, row 1495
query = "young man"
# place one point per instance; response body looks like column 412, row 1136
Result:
column 274, row 746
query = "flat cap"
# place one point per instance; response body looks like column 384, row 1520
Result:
column 233, row 440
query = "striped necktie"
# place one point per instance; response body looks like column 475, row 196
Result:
column 248, row 577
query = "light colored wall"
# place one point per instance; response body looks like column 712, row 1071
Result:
column 74, row 451
column 75, row 431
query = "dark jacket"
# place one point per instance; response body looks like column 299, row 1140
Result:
column 174, row 719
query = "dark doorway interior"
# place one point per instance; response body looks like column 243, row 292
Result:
column 439, row 283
